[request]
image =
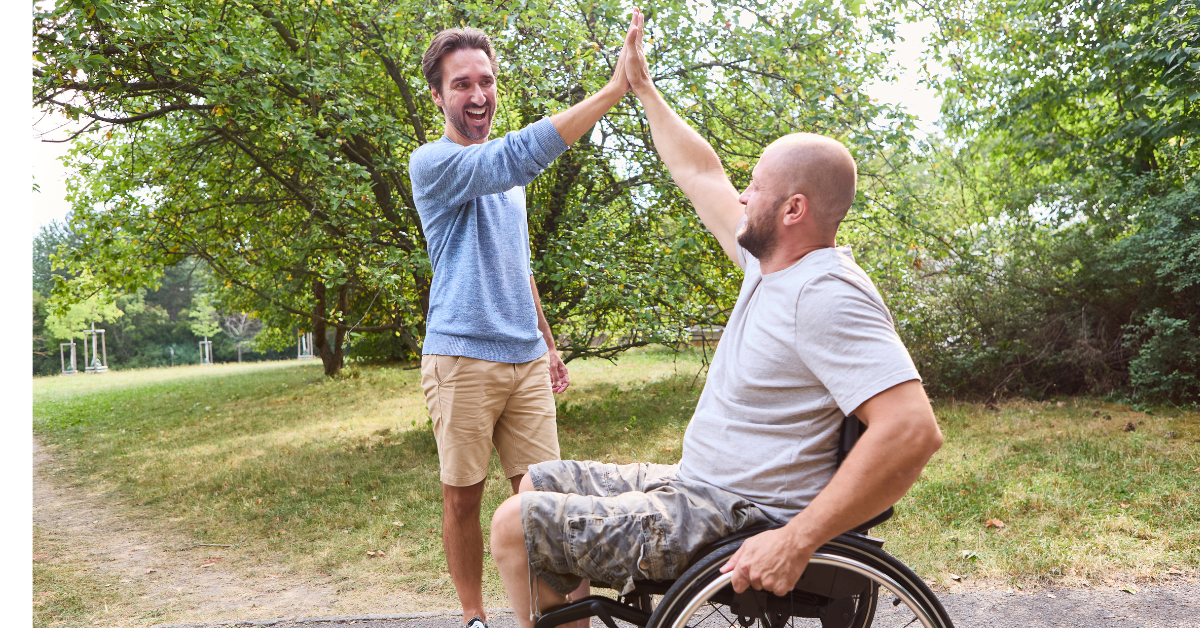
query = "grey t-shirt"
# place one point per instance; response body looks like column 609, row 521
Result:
column 804, row 347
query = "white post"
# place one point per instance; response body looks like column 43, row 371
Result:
column 95, row 352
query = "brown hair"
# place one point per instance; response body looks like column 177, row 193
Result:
column 452, row 40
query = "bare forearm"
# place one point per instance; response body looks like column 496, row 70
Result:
column 696, row 169
column 543, row 324
column 880, row 469
column 580, row 118
column 681, row 148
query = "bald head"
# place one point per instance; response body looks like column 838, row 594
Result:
column 816, row 166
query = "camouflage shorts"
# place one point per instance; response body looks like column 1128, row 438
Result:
column 616, row 524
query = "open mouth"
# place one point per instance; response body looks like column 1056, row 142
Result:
column 476, row 114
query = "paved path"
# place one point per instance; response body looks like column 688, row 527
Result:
column 1153, row 606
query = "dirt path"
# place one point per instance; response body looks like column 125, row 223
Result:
column 153, row 574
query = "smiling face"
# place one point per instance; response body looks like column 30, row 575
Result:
column 759, row 234
column 467, row 96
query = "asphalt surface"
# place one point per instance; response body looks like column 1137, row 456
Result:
column 1153, row 606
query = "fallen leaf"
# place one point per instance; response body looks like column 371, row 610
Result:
column 1123, row 504
column 1129, row 427
column 1061, row 404
column 994, row 523
column 41, row 556
column 399, row 524
column 207, row 565
column 955, row 576
column 151, row 570
column 1051, row 595
column 1130, row 588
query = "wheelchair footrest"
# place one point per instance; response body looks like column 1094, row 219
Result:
column 603, row 608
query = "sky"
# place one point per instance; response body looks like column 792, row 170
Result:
column 50, row 203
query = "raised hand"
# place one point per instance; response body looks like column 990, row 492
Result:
column 637, row 69
column 619, row 77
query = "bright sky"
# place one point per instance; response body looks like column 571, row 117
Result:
column 919, row 100
column 50, row 204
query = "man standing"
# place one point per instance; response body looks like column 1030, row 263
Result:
column 489, row 361
column 809, row 341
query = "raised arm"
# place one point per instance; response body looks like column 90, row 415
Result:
column 581, row 117
column 452, row 174
column 693, row 163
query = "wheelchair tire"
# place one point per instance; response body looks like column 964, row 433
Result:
column 840, row 589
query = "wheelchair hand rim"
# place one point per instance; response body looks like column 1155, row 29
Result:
column 819, row 558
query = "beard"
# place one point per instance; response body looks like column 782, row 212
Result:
column 458, row 119
column 758, row 235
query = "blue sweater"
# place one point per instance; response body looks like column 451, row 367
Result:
column 471, row 201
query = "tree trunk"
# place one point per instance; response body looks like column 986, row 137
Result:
column 331, row 357
column 239, row 352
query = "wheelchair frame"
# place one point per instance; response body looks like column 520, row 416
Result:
column 840, row 587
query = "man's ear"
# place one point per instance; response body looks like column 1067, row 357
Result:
column 437, row 98
column 795, row 209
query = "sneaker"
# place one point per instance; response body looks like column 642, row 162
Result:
column 476, row 623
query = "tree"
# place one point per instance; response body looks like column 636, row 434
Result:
column 1075, row 126
column 242, row 328
column 270, row 140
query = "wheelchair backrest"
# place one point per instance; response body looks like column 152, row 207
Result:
column 852, row 429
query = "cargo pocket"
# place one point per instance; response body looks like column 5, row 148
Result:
column 659, row 556
column 602, row 548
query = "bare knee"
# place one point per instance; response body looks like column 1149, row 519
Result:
column 462, row 502
column 506, row 526
column 526, row 484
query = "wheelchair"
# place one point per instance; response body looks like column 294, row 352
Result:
column 850, row 582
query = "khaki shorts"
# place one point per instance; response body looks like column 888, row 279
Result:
column 477, row 404
column 619, row 523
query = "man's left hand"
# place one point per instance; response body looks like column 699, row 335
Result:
column 771, row 561
column 559, row 379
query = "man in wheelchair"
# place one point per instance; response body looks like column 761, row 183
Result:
column 808, row 342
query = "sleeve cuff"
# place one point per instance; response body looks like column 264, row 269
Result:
column 548, row 140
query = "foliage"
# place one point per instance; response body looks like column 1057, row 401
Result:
column 270, row 140
column 143, row 328
column 1068, row 193
column 1165, row 366
column 203, row 319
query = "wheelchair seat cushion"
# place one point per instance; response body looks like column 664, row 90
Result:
column 621, row 523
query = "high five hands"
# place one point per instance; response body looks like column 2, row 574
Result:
column 637, row 70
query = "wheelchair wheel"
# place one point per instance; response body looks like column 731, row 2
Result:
column 849, row 583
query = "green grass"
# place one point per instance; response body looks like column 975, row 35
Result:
column 313, row 473
column 1081, row 498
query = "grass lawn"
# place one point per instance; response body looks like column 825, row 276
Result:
column 339, row 477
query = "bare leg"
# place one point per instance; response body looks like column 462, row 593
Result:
column 584, row 590
column 462, row 539
column 509, row 517
column 508, row 549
